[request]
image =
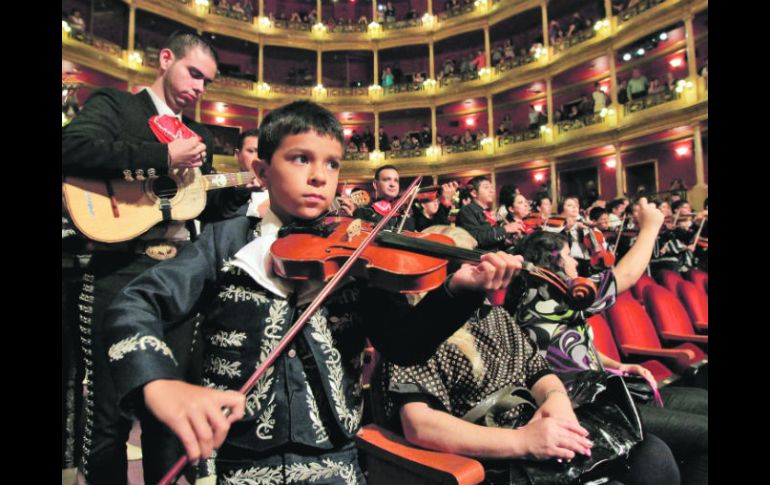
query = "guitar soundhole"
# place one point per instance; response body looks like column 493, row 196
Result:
column 164, row 187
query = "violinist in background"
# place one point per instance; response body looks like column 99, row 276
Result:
column 518, row 210
column 386, row 191
column 505, row 200
column 306, row 408
column 543, row 205
column 432, row 208
column 478, row 220
column 575, row 230
column 600, row 219
column 615, row 209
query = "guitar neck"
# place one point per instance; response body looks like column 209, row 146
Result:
column 224, row 180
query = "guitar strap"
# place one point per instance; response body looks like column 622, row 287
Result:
column 165, row 208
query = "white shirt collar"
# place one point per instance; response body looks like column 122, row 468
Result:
column 255, row 259
column 160, row 106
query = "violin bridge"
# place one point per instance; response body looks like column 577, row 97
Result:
column 353, row 230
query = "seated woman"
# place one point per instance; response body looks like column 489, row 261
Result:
column 488, row 354
column 564, row 339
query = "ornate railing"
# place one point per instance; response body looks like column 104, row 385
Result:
column 640, row 7
column 509, row 64
column 518, row 137
column 354, row 28
column 231, row 14
column 97, row 42
column 346, row 92
column 575, row 39
column 402, row 24
column 234, row 82
column 579, row 122
column 286, row 25
column 356, row 156
column 461, row 148
column 291, row 90
column 649, row 101
column 413, row 153
column 403, row 88
column 456, row 11
column 455, row 78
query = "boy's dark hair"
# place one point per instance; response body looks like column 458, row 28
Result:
column 677, row 204
column 181, row 41
column 543, row 248
column 475, row 182
column 293, row 119
column 384, row 167
column 465, row 193
column 596, row 213
column 252, row 132
column 507, row 195
column 560, row 208
column 539, row 198
column 613, row 204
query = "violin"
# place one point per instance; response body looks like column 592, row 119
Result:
column 555, row 223
column 532, row 222
column 600, row 257
column 406, row 262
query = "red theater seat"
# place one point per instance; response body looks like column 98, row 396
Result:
column 669, row 279
column 637, row 338
column 391, row 459
column 638, row 289
column 699, row 278
column 696, row 302
column 605, row 343
column 670, row 317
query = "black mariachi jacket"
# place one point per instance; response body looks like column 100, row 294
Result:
column 471, row 218
column 312, row 394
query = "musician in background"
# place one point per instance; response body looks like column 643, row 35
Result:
column 478, row 220
column 386, row 191
column 544, row 205
column 615, row 209
column 574, row 230
column 111, row 138
column 433, row 207
column 600, row 218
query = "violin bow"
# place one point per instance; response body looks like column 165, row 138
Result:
column 174, row 471
column 697, row 234
column 408, row 210
column 620, row 231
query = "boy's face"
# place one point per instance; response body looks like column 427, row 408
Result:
column 485, row 195
column 248, row 153
column 302, row 175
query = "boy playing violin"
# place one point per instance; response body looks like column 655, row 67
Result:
column 297, row 424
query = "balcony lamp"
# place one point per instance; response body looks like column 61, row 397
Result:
column 376, row 156
column 65, row 26
column 263, row 89
column 375, row 90
column 319, row 91
column 265, row 23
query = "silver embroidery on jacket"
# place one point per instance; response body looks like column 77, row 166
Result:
column 132, row 344
column 322, row 335
column 295, row 473
column 315, row 416
column 239, row 293
column 227, row 339
column 222, row 367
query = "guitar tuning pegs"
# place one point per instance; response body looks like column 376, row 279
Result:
column 139, row 174
column 127, row 175
column 151, row 172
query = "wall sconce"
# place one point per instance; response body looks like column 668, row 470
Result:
column 376, row 156
column 675, row 62
column 219, row 119
column 135, row 59
column 611, row 163
column 319, row 29
column 265, row 24
column 375, row 91
column 682, row 151
column 539, row 177
column 428, row 21
column 601, row 24
column 374, row 29
column 433, row 152
column 201, row 7
column 319, row 91
column 263, row 89
column 488, row 144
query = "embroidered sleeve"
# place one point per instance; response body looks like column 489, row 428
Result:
column 159, row 299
